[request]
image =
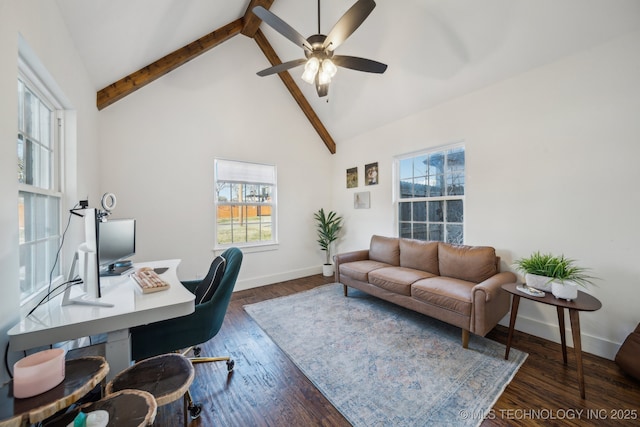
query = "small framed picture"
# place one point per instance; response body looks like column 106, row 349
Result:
column 371, row 174
column 352, row 177
column 362, row 200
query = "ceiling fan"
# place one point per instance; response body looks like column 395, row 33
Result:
column 320, row 61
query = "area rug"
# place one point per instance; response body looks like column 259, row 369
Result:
column 383, row 365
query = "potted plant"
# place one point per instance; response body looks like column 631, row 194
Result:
column 328, row 226
column 557, row 274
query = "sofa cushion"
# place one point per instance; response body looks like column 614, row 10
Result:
column 385, row 249
column 471, row 263
column 397, row 279
column 445, row 292
column 420, row 255
column 359, row 270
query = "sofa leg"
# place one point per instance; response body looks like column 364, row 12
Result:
column 465, row 338
column 345, row 290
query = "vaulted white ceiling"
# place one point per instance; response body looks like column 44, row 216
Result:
column 436, row 50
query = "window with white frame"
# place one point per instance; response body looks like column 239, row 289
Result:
column 39, row 188
column 430, row 195
column 245, row 203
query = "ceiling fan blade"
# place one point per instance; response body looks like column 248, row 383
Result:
column 281, row 67
column 359, row 64
column 348, row 23
column 282, row 27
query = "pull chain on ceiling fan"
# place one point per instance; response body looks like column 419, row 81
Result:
column 320, row 63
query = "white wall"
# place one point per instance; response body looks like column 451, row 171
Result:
column 158, row 147
column 551, row 166
column 50, row 46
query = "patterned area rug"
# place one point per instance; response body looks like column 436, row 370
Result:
column 382, row 365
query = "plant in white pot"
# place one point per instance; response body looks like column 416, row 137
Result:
column 557, row 274
column 328, row 227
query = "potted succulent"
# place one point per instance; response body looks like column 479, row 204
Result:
column 328, row 226
column 557, row 274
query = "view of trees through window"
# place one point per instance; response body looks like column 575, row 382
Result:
column 431, row 188
column 243, row 213
column 245, row 203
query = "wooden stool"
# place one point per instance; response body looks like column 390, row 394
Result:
column 81, row 376
column 126, row 408
column 167, row 377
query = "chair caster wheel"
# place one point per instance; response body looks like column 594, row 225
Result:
column 197, row 351
column 195, row 410
column 230, row 365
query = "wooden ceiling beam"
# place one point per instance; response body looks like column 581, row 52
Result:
column 295, row 91
column 251, row 21
column 129, row 84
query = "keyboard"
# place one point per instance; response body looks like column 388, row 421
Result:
column 149, row 281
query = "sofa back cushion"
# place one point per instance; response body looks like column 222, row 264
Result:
column 419, row 255
column 385, row 249
column 471, row 263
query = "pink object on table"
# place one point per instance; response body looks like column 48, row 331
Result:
column 38, row 373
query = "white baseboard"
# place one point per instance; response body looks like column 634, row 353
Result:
column 590, row 344
column 255, row 282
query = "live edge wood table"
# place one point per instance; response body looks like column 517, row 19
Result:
column 584, row 302
column 81, row 376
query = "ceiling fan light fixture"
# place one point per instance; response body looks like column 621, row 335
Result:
column 310, row 70
column 319, row 48
column 324, row 78
column 329, row 67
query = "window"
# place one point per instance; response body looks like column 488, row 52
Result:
column 245, row 202
column 430, row 195
column 39, row 197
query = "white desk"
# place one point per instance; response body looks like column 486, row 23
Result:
column 52, row 323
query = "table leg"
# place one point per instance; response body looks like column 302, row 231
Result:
column 512, row 323
column 574, row 315
column 118, row 352
column 563, row 338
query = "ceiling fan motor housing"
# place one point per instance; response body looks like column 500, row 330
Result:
column 319, row 51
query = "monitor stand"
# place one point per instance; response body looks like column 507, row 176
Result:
column 86, row 298
column 115, row 270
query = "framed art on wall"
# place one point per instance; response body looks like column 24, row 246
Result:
column 362, row 200
column 352, row 177
column 371, row 174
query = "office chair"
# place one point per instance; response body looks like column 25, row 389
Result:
column 188, row 332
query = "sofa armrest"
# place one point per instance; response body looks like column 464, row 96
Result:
column 490, row 302
column 491, row 287
column 360, row 255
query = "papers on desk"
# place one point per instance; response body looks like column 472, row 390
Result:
column 149, row 281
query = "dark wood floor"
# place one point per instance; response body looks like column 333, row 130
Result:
column 267, row 389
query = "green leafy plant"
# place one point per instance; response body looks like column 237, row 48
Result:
column 555, row 267
column 328, row 226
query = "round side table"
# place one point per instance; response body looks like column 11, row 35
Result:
column 167, row 377
column 126, row 408
column 81, row 376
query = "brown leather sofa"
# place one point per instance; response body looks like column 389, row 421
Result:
column 460, row 285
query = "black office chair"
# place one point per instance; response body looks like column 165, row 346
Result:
column 187, row 332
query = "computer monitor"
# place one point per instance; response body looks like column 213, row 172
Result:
column 116, row 243
column 86, row 262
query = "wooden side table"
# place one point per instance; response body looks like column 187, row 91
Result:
column 584, row 302
column 126, row 408
column 167, row 377
column 81, row 376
